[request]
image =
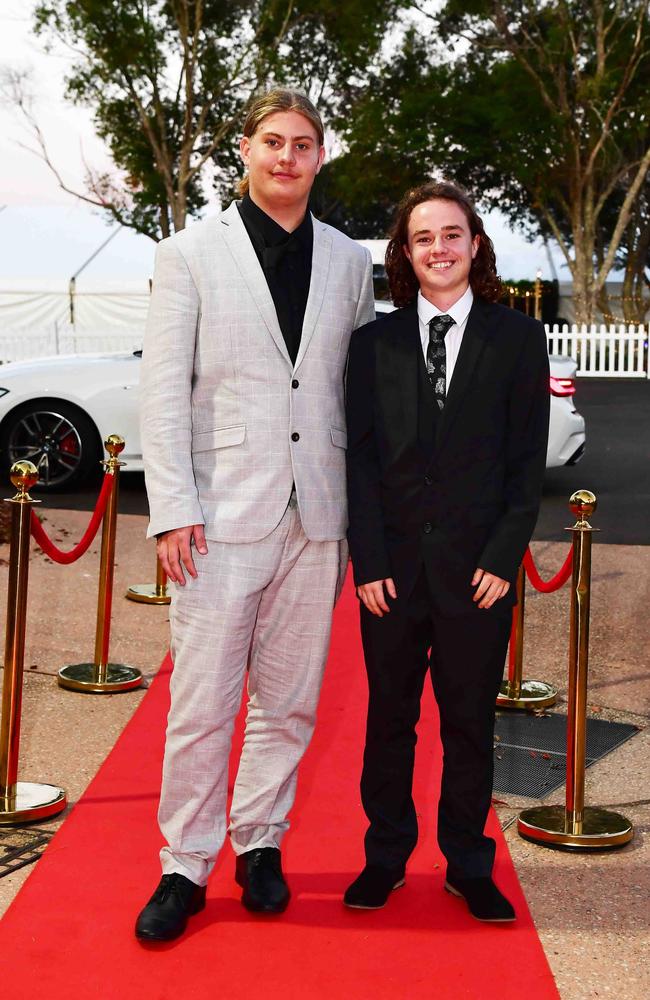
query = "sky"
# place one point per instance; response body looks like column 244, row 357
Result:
column 48, row 235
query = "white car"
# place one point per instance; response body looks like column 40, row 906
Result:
column 57, row 412
column 566, row 432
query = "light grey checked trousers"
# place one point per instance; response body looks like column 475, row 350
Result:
column 269, row 603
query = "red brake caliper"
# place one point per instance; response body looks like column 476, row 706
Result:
column 69, row 444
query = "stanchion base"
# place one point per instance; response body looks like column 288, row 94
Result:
column 146, row 593
column 601, row 829
column 532, row 694
column 31, row 801
column 83, row 677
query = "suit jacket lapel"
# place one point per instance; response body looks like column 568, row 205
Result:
column 242, row 250
column 474, row 337
column 401, row 370
column 320, row 265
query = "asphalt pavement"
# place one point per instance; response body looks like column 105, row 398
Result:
column 615, row 466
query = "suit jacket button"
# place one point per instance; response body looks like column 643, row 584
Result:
column 295, row 436
column 427, row 528
column 428, row 480
column 295, row 383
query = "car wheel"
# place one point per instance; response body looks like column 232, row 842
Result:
column 58, row 438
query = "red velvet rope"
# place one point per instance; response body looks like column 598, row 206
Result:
column 48, row 546
column 557, row 581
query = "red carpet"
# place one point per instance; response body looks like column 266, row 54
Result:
column 69, row 933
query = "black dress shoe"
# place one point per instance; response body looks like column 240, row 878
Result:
column 372, row 887
column 259, row 873
column 484, row 900
column 165, row 915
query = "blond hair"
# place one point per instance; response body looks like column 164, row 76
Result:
column 269, row 103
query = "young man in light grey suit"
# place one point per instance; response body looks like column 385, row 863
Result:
column 243, row 434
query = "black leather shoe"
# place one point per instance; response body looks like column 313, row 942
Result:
column 259, row 873
column 372, row 887
column 484, row 900
column 165, row 915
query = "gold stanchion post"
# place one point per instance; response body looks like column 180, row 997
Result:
column 20, row 801
column 574, row 826
column 516, row 692
column 150, row 593
column 102, row 677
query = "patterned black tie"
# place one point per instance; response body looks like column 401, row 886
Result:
column 439, row 326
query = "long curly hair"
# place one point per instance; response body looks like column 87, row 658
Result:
column 403, row 284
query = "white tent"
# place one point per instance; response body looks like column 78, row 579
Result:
column 41, row 317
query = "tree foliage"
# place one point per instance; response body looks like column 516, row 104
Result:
column 538, row 108
column 387, row 137
column 168, row 81
column 543, row 114
column 588, row 64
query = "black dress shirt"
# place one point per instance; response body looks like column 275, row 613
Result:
column 286, row 262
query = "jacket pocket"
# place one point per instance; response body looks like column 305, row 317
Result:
column 218, row 437
column 339, row 437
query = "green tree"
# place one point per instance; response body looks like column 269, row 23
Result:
column 168, row 81
column 632, row 257
column 389, row 135
column 542, row 113
column 635, row 259
column 587, row 63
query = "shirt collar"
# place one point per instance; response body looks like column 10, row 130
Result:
column 458, row 312
column 268, row 230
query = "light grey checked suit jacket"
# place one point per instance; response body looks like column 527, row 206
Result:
column 219, row 401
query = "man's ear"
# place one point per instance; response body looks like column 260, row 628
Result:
column 245, row 149
column 321, row 158
column 407, row 253
column 476, row 242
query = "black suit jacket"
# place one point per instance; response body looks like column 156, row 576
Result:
column 459, row 489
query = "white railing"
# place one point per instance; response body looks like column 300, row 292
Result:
column 613, row 352
column 605, row 351
column 25, row 344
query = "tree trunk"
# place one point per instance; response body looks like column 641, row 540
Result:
column 602, row 300
column 164, row 220
column 605, row 305
column 179, row 210
column 634, row 303
column 584, row 298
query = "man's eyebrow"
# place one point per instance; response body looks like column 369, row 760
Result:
column 294, row 138
column 444, row 229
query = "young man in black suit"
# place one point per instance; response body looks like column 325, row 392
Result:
column 447, row 407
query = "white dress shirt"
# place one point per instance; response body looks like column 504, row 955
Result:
column 459, row 313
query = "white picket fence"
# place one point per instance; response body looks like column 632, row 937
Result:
column 603, row 351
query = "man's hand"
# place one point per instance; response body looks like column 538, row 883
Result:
column 175, row 547
column 372, row 595
column 490, row 588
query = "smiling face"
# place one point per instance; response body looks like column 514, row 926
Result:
column 440, row 249
column 282, row 156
